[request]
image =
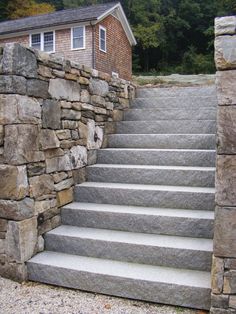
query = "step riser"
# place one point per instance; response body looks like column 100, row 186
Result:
column 169, row 114
column 152, row 176
column 177, row 92
column 166, row 127
column 173, row 102
column 125, row 252
column 162, row 199
column 161, row 158
column 162, row 141
column 180, row 226
column 193, row 297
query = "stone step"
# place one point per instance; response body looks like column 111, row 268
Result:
column 154, row 114
column 166, row 127
column 198, row 91
column 193, row 102
column 162, row 141
column 162, row 157
column 146, row 195
column 180, row 222
column 143, row 248
column 160, row 175
column 181, row 287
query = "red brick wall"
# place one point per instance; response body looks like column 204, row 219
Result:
column 118, row 57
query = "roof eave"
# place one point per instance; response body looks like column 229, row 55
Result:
column 123, row 21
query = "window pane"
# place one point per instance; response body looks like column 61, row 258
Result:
column 78, row 43
column 48, row 41
column 48, row 36
column 103, row 45
column 102, row 34
column 36, row 41
column 78, row 32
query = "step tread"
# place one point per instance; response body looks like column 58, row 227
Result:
column 139, row 210
column 154, row 240
column 148, row 187
column 134, row 271
column 149, row 167
column 157, row 149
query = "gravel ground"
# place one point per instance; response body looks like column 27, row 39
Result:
column 35, row 298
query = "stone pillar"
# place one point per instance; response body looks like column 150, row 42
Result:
column 224, row 259
column 54, row 115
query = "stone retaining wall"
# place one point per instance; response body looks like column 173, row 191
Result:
column 54, row 115
column 224, row 260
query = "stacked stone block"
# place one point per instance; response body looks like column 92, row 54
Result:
column 54, row 115
column 224, row 260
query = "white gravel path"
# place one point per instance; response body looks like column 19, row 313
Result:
column 35, row 298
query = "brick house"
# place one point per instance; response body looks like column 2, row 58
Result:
column 98, row 36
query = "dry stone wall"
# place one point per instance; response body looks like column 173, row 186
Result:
column 224, row 260
column 54, row 115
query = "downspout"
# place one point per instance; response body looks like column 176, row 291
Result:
column 93, row 46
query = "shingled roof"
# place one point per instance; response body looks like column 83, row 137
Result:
column 82, row 14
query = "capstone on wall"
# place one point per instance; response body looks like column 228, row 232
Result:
column 54, row 116
column 224, row 259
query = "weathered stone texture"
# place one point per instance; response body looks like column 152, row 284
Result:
column 225, row 52
column 220, row 301
column 217, row 275
column 64, row 197
column 1, row 134
column 230, row 282
column 37, row 88
column 225, row 25
column 98, row 87
column 62, row 89
column 225, row 232
column 19, row 61
column 21, row 239
column 22, row 144
column 13, row 183
column 226, row 180
column 48, row 139
column 51, row 114
column 95, row 136
column 19, row 109
column 232, row 301
column 12, row 84
column 226, row 131
column 41, row 186
column 17, row 210
column 226, row 92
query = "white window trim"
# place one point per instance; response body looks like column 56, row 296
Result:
column 104, row 29
column 42, row 40
column 71, row 37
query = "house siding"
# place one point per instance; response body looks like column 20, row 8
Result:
column 63, row 45
column 118, row 57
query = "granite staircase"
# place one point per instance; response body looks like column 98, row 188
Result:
column 141, row 227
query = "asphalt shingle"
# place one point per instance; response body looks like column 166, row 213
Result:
column 82, row 14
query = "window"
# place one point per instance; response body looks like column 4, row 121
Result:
column 78, row 37
column 36, row 41
column 102, row 39
column 48, row 42
column 43, row 41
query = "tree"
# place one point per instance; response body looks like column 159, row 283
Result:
column 23, row 8
column 3, row 10
column 68, row 4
